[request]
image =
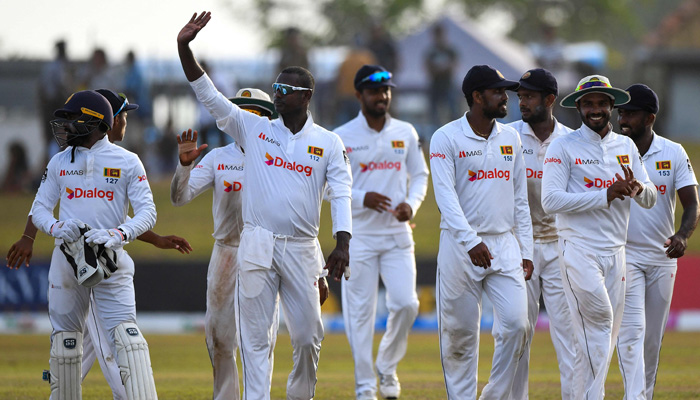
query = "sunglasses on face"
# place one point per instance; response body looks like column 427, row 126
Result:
column 284, row 89
column 379, row 76
column 124, row 104
column 592, row 84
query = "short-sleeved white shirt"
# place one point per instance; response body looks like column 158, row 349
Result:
column 669, row 169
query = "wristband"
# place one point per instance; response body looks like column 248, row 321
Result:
column 124, row 237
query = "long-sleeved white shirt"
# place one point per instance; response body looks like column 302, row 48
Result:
column 96, row 188
column 389, row 162
column 543, row 224
column 578, row 170
column 221, row 169
column 480, row 184
column 669, row 169
column 285, row 174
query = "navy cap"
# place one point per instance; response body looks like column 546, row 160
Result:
column 641, row 98
column 117, row 101
column 87, row 102
column 371, row 77
column 485, row 77
column 540, row 80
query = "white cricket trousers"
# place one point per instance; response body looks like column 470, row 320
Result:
column 220, row 321
column 595, row 290
column 546, row 281
column 391, row 257
column 293, row 275
column 647, row 303
column 460, row 285
column 96, row 346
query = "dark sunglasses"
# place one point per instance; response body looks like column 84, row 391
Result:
column 285, row 89
column 124, row 104
column 379, row 76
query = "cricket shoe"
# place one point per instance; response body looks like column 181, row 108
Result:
column 389, row 386
column 366, row 395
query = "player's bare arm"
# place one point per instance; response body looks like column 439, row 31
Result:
column 403, row 212
column 187, row 34
column 187, row 147
column 480, row 255
column 339, row 259
column 528, row 267
column 21, row 251
column 166, row 242
column 676, row 244
column 377, row 201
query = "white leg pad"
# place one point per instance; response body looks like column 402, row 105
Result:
column 65, row 365
column 134, row 362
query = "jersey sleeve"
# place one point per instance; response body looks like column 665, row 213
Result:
column 555, row 179
column 339, row 192
column 229, row 117
column 647, row 197
column 417, row 173
column 523, row 220
column 191, row 181
column 442, row 165
column 683, row 171
column 139, row 193
column 46, row 198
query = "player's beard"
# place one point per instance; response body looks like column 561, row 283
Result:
column 377, row 112
column 596, row 125
column 496, row 112
column 539, row 114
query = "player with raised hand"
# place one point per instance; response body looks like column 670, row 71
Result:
column 583, row 186
column 653, row 246
column 95, row 182
column 291, row 160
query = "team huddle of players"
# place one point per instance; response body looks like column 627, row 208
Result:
column 591, row 232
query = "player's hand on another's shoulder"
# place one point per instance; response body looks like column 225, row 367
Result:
column 192, row 28
column 675, row 246
column 376, row 201
column 403, row 212
column 528, row 268
column 20, row 253
column 338, row 263
column 480, row 256
column 187, row 147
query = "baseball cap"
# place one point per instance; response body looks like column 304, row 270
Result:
column 641, row 98
column 372, row 77
column 595, row 84
column 87, row 102
column 119, row 102
column 254, row 97
column 485, row 77
column 540, row 80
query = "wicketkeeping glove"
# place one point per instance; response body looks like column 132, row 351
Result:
column 111, row 238
column 68, row 230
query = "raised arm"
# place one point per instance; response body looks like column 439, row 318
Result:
column 193, row 70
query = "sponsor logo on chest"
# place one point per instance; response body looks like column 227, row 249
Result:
column 232, row 186
column 531, row 173
column 279, row 162
column 228, row 167
column 381, row 165
column 268, row 139
column 356, row 148
column 598, row 182
column 94, row 193
column 465, row 154
column 586, row 161
column 65, row 172
column 489, row 174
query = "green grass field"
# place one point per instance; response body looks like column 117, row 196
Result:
column 194, row 222
column 182, row 369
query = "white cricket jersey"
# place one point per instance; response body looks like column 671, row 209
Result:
column 578, row 169
column 543, row 225
column 222, row 169
column 669, row 169
column 96, row 188
column 286, row 173
column 389, row 162
column 480, row 184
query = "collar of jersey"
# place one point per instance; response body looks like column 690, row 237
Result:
column 363, row 121
column 558, row 128
column 592, row 136
column 98, row 145
column 309, row 123
column 469, row 132
column 656, row 145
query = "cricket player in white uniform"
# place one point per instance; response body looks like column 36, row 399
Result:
column 95, row 182
column 653, row 247
column 581, row 182
column 390, row 178
column 537, row 93
column 478, row 175
column 291, row 160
